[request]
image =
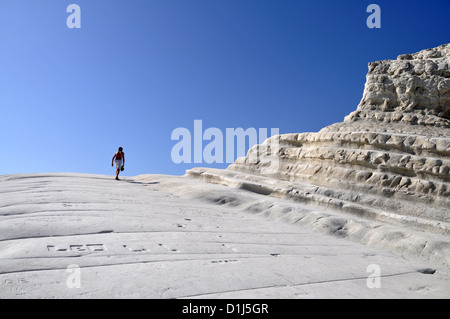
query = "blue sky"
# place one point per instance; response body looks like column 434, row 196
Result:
column 138, row 69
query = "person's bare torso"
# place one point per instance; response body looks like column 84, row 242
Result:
column 119, row 155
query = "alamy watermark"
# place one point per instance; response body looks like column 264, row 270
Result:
column 374, row 279
column 73, row 21
column 74, row 279
column 374, row 19
column 225, row 147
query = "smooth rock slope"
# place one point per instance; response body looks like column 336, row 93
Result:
column 157, row 236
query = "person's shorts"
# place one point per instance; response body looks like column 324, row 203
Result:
column 119, row 164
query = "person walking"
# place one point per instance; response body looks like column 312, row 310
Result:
column 119, row 159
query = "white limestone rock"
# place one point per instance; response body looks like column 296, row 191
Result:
column 389, row 160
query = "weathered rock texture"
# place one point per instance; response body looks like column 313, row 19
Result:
column 388, row 161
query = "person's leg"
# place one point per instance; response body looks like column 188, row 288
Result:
column 119, row 164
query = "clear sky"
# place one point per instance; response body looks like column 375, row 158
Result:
column 138, row 69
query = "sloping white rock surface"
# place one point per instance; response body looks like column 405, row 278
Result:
column 155, row 236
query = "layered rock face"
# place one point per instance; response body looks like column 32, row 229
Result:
column 389, row 160
column 414, row 90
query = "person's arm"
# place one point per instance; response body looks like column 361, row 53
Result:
column 123, row 160
column 112, row 161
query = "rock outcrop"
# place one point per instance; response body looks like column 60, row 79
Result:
column 387, row 161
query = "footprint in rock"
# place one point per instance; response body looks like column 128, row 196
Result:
column 173, row 250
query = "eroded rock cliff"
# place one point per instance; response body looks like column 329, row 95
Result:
column 388, row 160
